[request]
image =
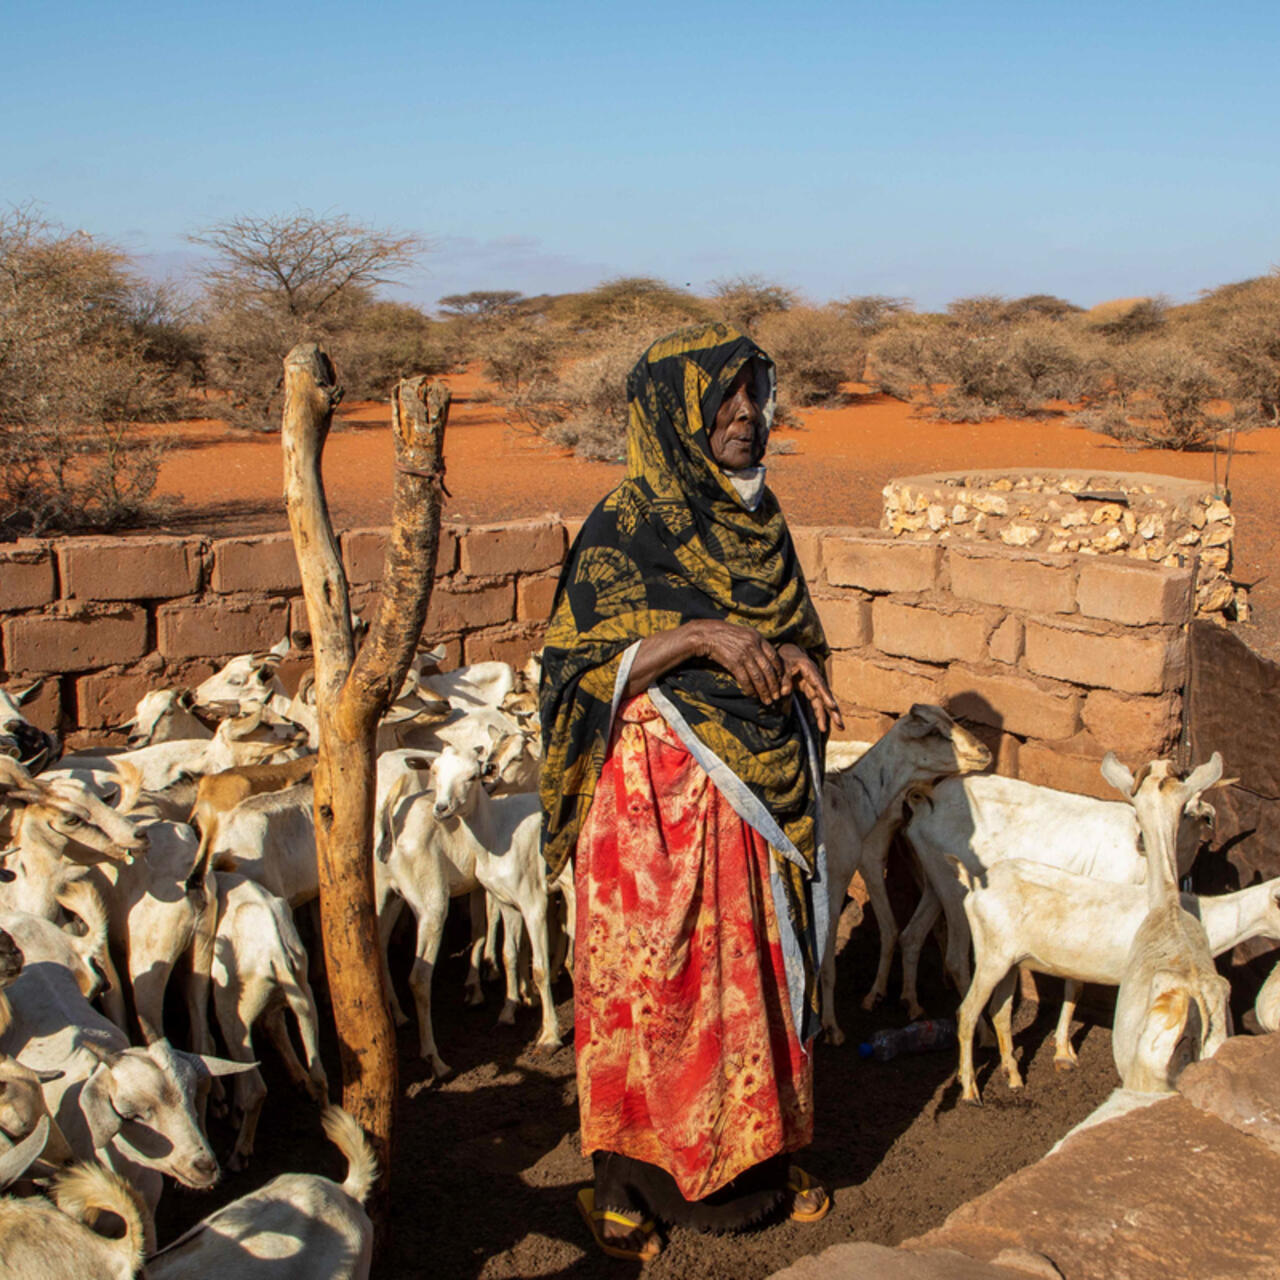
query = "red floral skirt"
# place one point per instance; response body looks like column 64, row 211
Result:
column 687, row 1056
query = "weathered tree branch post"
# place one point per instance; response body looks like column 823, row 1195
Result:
column 352, row 692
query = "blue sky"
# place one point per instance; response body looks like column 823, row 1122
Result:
column 919, row 148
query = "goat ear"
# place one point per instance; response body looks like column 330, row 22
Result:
column 279, row 651
column 20, row 1157
column 1206, row 776
column 106, row 1057
column 1117, row 775
column 130, row 786
column 212, row 1066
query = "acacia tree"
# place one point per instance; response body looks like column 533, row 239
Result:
column 282, row 279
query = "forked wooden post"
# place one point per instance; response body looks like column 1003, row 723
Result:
column 352, row 692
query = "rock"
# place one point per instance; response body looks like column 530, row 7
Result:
column 1070, row 485
column 903, row 523
column 1001, row 484
column 1020, row 535
column 1057, row 545
column 1215, row 557
column 960, row 514
column 980, row 522
column 1108, row 513
column 1242, row 609
column 1109, row 541
column 1129, row 523
column 1217, row 510
column 1240, row 1085
column 991, row 503
column 1218, row 535
column 1215, row 596
column 863, row 1261
column 936, row 516
column 1197, row 517
column 1074, row 519
column 1151, row 526
column 1165, row 1191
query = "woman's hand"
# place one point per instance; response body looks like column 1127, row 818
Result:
column 745, row 654
column 803, row 674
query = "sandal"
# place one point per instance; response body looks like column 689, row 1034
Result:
column 594, row 1217
column 800, row 1182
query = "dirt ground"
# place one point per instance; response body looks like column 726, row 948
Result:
column 488, row 1163
column 231, row 483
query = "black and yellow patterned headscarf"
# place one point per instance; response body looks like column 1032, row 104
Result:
column 673, row 543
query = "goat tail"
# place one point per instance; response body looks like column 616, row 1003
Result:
column 89, row 1190
column 386, row 839
column 362, row 1167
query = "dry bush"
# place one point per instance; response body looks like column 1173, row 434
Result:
column 82, row 364
column 275, row 281
column 640, row 301
column 745, row 300
column 386, row 341
column 1162, row 394
column 1238, row 327
column 816, row 349
column 983, row 365
column 1127, row 319
column 872, row 313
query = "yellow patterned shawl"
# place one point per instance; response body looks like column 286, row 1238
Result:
column 674, row 542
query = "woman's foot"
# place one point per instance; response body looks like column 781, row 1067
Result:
column 809, row 1200
column 620, row 1233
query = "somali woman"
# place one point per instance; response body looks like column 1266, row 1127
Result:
column 684, row 711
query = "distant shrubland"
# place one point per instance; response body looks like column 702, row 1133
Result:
column 91, row 353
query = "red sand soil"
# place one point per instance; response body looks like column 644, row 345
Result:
column 230, row 482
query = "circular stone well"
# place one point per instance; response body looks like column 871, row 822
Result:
column 1148, row 517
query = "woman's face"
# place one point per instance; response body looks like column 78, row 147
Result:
column 737, row 435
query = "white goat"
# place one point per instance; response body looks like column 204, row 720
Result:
column 859, row 809
column 39, row 1241
column 165, row 715
column 450, row 841
column 298, row 1227
column 21, row 740
column 259, row 970
column 1077, row 928
column 251, row 738
column 984, row 820
column 1171, row 1008
column 246, row 678
column 131, row 1108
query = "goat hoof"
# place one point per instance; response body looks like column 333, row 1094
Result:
column 833, row 1035
column 1064, row 1064
column 870, row 1000
column 975, row 1101
column 475, row 998
column 238, row 1161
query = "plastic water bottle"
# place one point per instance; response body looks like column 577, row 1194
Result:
column 915, row 1037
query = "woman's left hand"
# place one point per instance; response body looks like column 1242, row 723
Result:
column 803, row 674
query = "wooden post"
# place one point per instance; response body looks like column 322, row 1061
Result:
column 352, row 692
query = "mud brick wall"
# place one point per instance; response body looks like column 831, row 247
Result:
column 1053, row 659
column 103, row 620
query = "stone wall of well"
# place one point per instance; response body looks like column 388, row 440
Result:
column 1153, row 518
column 1053, row 658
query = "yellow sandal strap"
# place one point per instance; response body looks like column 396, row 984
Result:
column 608, row 1215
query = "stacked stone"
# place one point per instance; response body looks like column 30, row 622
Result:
column 1160, row 519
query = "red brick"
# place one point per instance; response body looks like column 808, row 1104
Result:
column 1144, row 727
column 1003, row 747
column 465, row 610
column 880, row 565
column 26, row 577
column 44, row 707
column 809, row 552
column 1129, row 591
column 881, row 687
column 534, row 597
column 129, row 568
column 928, row 635
column 363, row 552
column 512, row 548
column 1131, row 663
column 266, row 563
column 1005, row 644
column 864, row 726
column 105, row 701
column 504, row 645
column 1012, row 703
column 77, row 642
column 1031, row 584
column 220, row 629
column 846, row 620
column 1040, row 763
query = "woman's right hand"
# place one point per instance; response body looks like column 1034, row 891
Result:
column 744, row 653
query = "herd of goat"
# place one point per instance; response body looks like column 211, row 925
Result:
column 191, row 850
